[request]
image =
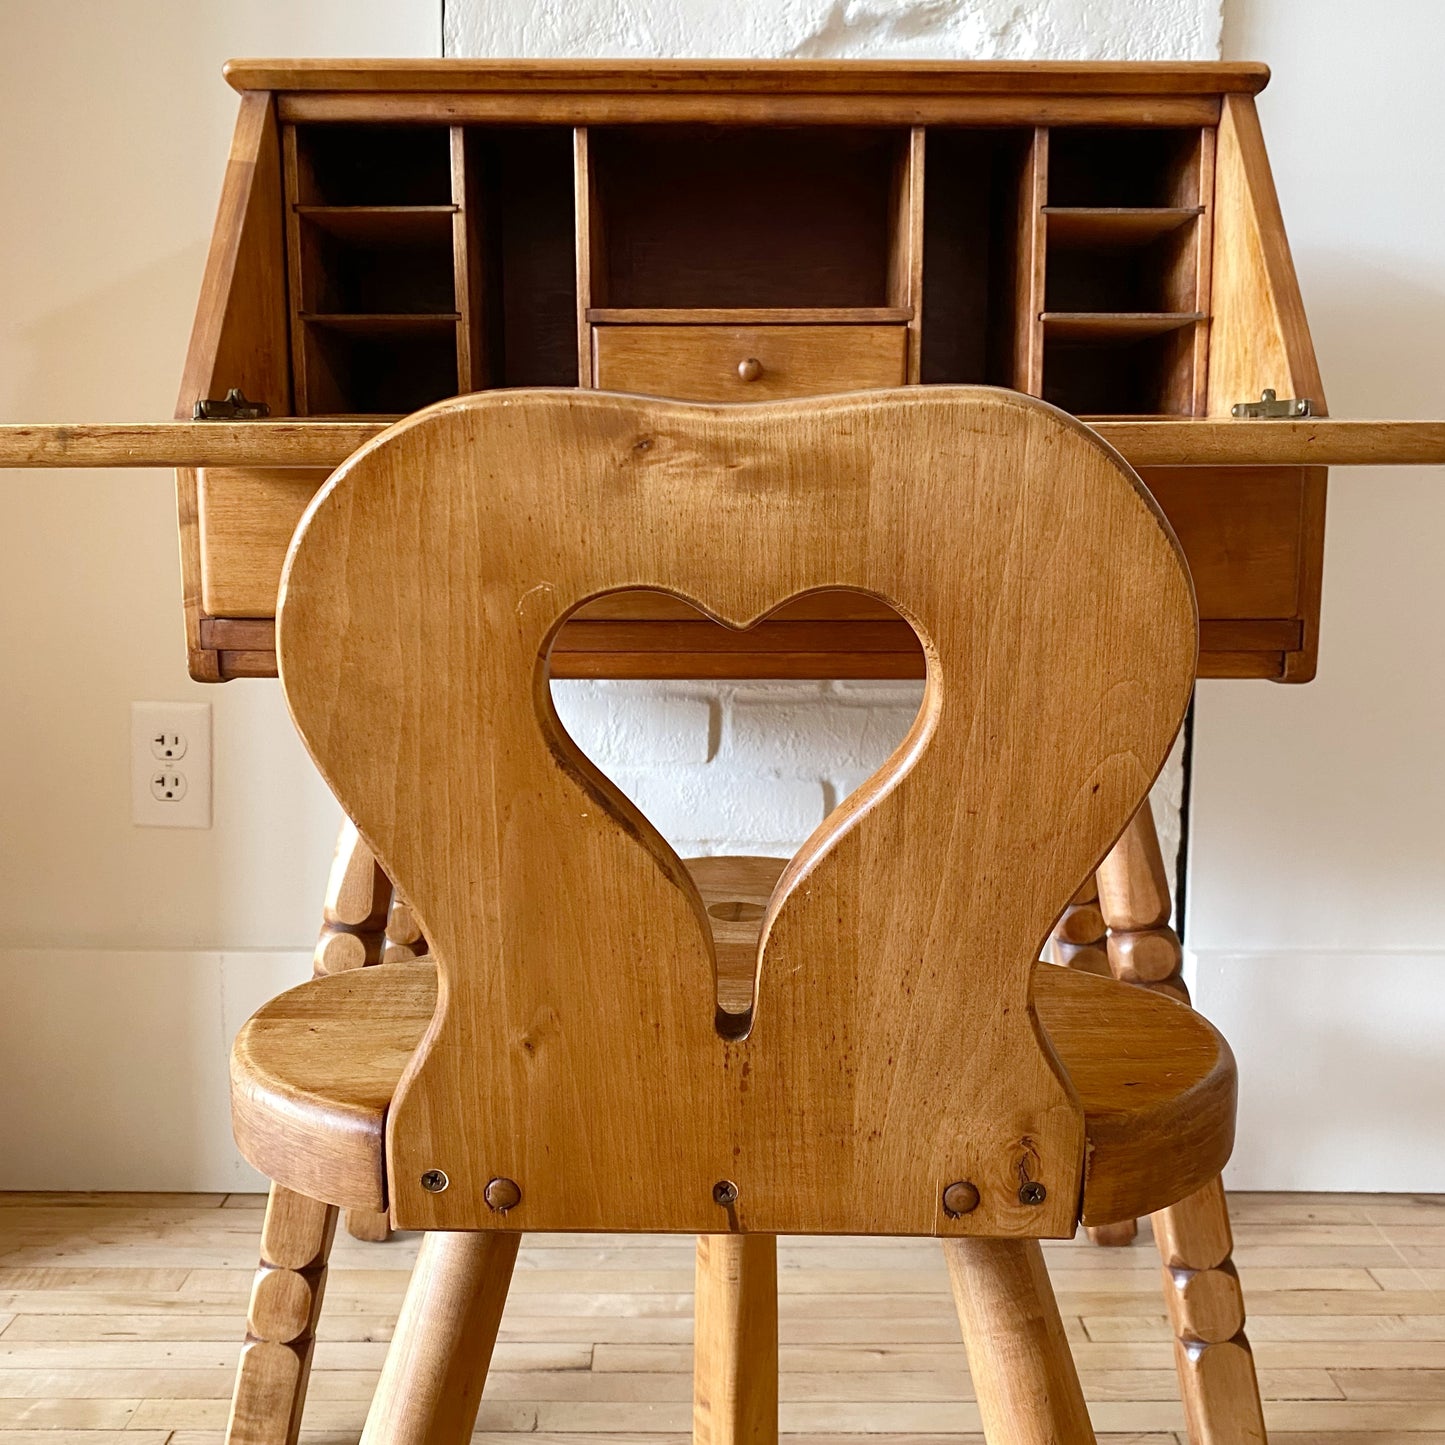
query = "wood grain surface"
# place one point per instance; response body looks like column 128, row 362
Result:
column 879, row 974
column 785, row 76
column 1158, row 1114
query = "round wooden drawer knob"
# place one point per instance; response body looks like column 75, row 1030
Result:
column 749, row 369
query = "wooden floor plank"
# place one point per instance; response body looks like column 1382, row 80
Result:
column 120, row 1319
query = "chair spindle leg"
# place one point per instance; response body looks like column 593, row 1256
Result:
column 431, row 1384
column 1081, row 941
column 1134, row 899
column 1023, row 1374
column 735, row 1354
column 353, row 935
column 1133, row 892
column 270, row 1391
column 1206, row 1306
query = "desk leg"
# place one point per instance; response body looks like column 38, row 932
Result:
column 1134, row 900
column 1080, row 940
column 353, row 935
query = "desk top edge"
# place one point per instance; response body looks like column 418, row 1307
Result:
column 798, row 77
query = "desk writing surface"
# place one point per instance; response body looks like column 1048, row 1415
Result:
column 1106, row 237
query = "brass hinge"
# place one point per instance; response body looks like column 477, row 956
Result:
column 232, row 407
column 1269, row 405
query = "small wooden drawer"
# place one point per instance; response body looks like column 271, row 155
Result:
column 747, row 363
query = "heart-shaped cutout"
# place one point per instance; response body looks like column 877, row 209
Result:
column 733, row 765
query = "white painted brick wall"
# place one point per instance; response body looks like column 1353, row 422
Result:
column 756, row 767
column 839, row 29
column 751, row 767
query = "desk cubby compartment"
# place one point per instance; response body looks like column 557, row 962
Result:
column 971, row 248
column 1115, row 166
column 376, row 259
column 1119, row 365
column 726, row 218
column 372, row 165
column 520, row 193
column 386, row 364
column 1121, row 260
column 1126, row 226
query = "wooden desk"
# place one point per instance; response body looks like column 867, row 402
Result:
column 1104, row 236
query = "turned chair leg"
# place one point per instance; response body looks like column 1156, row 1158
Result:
column 1141, row 948
column 404, row 939
column 296, row 1237
column 431, row 1384
column 1216, row 1367
column 1081, row 941
column 1134, row 901
column 735, row 1351
column 353, row 935
column 1023, row 1374
column 1081, row 937
column 1206, row 1306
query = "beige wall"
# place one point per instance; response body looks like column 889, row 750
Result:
column 127, row 954
column 1317, row 861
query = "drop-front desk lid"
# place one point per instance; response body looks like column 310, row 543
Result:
column 327, row 442
column 1105, row 236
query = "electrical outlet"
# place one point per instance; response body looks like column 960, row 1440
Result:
column 168, row 746
column 170, row 764
column 168, row 786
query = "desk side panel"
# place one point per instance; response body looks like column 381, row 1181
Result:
column 239, row 338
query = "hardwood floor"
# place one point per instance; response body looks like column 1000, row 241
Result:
column 120, row 1317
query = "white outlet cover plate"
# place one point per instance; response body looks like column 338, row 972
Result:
column 192, row 720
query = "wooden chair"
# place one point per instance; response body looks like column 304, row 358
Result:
column 605, row 1038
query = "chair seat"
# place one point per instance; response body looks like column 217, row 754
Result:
column 313, row 1072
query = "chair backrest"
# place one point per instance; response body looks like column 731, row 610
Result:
column 893, row 1047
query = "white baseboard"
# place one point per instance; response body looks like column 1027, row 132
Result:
column 1341, row 1066
column 115, row 1065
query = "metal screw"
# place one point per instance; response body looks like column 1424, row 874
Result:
column 1032, row 1192
column 502, row 1195
column 725, row 1192
column 434, row 1181
column 960, row 1198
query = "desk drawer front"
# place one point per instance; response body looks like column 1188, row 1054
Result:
column 1254, row 538
column 747, row 363
column 247, row 516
